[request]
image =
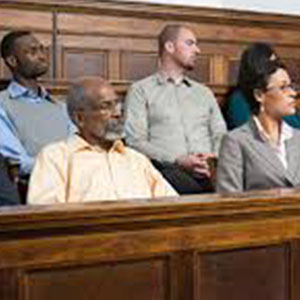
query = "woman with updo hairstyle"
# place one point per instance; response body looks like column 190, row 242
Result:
column 264, row 152
column 253, row 60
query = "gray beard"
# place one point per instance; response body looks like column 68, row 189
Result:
column 114, row 131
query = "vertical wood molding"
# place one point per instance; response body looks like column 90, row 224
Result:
column 114, row 65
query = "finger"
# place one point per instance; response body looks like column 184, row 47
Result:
column 202, row 171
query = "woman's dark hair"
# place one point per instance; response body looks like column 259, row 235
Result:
column 253, row 61
column 252, row 65
column 259, row 82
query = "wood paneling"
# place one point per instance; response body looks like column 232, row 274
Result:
column 118, row 40
column 256, row 273
column 233, row 71
column 208, row 247
column 136, row 65
column 293, row 66
column 83, row 62
column 202, row 71
column 134, row 280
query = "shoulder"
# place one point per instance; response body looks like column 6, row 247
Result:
column 55, row 150
column 296, row 133
column 4, row 94
column 145, row 82
column 239, row 134
column 199, row 86
column 61, row 104
column 237, row 93
column 138, row 156
column 202, row 91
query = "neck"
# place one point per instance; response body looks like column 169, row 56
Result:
column 27, row 82
column 97, row 142
column 172, row 70
column 271, row 126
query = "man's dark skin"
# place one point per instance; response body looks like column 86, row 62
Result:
column 28, row 61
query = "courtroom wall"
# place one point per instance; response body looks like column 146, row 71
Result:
column 276, row 6
column 119, row 40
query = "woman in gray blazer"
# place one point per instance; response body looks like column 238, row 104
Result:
column 265, row 152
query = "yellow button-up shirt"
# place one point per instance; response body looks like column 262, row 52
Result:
column 75, row 171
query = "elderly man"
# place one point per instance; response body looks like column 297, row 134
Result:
column 29, row 117
column 94, row 164
column 174, row 120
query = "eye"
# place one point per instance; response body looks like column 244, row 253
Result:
column 190, row 42
column 286, row 87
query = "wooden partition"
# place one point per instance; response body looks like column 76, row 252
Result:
column 198, row 247
column 118, row 39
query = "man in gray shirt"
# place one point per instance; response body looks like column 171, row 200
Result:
column 174, row 120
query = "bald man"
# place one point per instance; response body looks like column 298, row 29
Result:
column 94, row 164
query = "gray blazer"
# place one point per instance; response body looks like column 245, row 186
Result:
column 246, row 162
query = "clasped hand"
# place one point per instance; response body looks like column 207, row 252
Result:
column 196, row 163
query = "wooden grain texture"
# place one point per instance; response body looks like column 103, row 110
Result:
column 118, row 39
column 242, row 246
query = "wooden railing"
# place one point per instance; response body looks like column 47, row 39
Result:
column 205, row 247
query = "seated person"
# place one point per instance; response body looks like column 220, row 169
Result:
column 29, row 117
column 173, row 119
column 237, row 109
column 264, row 152
column 94, row 164
column 8, row 191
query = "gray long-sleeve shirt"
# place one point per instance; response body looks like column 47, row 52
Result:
column 166, row 120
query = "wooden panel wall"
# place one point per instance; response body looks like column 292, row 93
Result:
column 118, row 40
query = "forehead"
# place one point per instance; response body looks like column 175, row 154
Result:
column 27, row 41
column 281, row 75
column 97, row 93
column 107, row 93
column 186, row 34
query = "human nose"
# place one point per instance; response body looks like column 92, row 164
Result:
column 292, row 91
column 197, row 49
column 42, row 54
column 294, row 94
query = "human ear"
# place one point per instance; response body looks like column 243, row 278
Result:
column 11, row 61
column 78, row 119
column 259, row 95
column 169, row 47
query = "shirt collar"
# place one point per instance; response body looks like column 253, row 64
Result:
column 163, row 78
column 285, row 134
column 77, row 144
column 17, row 90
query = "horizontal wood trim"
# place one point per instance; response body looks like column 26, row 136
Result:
column 206, row 223
column 145, row 10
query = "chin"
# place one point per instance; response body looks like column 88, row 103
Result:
column 292, row 111
column 114, row 136
column 189, row 67
column 41, row 71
